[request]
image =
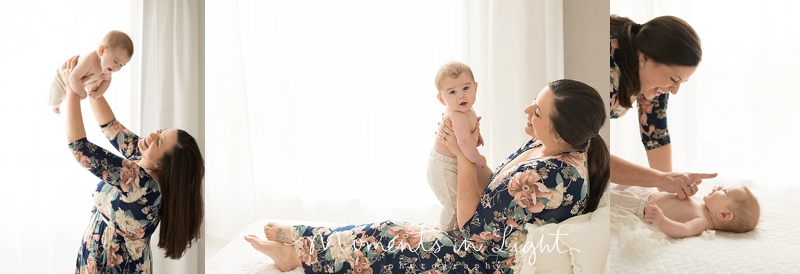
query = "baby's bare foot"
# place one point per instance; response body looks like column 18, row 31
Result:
column 57, row 111
column 284, row 256
column 278, row 232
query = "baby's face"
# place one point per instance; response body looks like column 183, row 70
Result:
column 458, row 93
column 722, row 197
column 113, row 60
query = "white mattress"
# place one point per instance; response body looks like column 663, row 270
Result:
column 239, row 257
column 773, row 247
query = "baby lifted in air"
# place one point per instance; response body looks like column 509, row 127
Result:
column 733, row 209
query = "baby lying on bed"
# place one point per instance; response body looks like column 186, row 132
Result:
column 733, row 209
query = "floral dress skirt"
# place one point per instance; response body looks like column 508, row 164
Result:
column 539, row 191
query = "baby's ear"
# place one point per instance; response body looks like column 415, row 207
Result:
column 101, row 50
column 725, row 215
column 441, row 100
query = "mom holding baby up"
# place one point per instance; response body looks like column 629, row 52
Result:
column 157, row 182
column 561, row 172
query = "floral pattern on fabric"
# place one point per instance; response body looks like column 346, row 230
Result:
column 539, row 191
column 126, row 206
column 652, row 113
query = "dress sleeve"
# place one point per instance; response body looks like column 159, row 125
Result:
column 653, row 121
column 539, row 191
column 125, row 141
column 114, row 170
column 556, row 188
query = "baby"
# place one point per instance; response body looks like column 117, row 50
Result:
column 457, row 88
column 733, row 209
column 114, row 52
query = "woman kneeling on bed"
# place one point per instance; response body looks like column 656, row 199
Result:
column 733, row 209
column 561, row 172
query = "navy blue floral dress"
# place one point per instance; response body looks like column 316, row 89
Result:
column 127, row 203
column 652, row 113
column 547, row 190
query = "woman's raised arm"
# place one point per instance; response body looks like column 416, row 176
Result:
column 73, row 117
column 102, row 111
column 468, row 191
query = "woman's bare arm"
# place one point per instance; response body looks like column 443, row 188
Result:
column 72, row 106
column 627, row 173
column 468, row 190
column 102, row 111
column 660, row 158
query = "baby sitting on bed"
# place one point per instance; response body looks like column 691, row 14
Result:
column 733, row 209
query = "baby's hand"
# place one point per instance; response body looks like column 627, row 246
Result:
column 478, row 129
column 95, row 94
column 481, row 162
column 653, row 214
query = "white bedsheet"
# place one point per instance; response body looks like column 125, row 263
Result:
column 773, row 247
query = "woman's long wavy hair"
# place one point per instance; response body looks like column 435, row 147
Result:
column 577, row 116
column 666, row 39
column 181, row 182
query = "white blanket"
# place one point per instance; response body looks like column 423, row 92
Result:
column 773, row 247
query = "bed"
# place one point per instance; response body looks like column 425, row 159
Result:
column 772, row 247
column 585, row 248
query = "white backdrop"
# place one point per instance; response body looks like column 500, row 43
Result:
column 46, row 199
column 735, row 116
column 325, row 111
column 45, row 204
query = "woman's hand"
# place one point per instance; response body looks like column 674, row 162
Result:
column 66, row 71
column 446, row 136
column 684, row 184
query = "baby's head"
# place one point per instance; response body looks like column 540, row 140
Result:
column 733, row 209
column 115, row 51
column 456, row 86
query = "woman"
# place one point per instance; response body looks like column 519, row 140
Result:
column 561, row 172
column 648, row 62
column 158, row 182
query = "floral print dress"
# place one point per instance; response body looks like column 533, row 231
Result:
column 539, row 191
column 652, row 113
column 126, row 206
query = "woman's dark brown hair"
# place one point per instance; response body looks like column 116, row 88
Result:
column 666, row 39
column 181, row 181
column 577, row 116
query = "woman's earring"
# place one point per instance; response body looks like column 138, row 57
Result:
column 156, row 165
column 641, row 64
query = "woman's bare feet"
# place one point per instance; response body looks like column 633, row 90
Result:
column 278, row 233
column 284, row 255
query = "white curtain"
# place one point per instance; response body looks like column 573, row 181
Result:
column 326, row 110
column 169, row 89
column 46, row 200
column 735, row 116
